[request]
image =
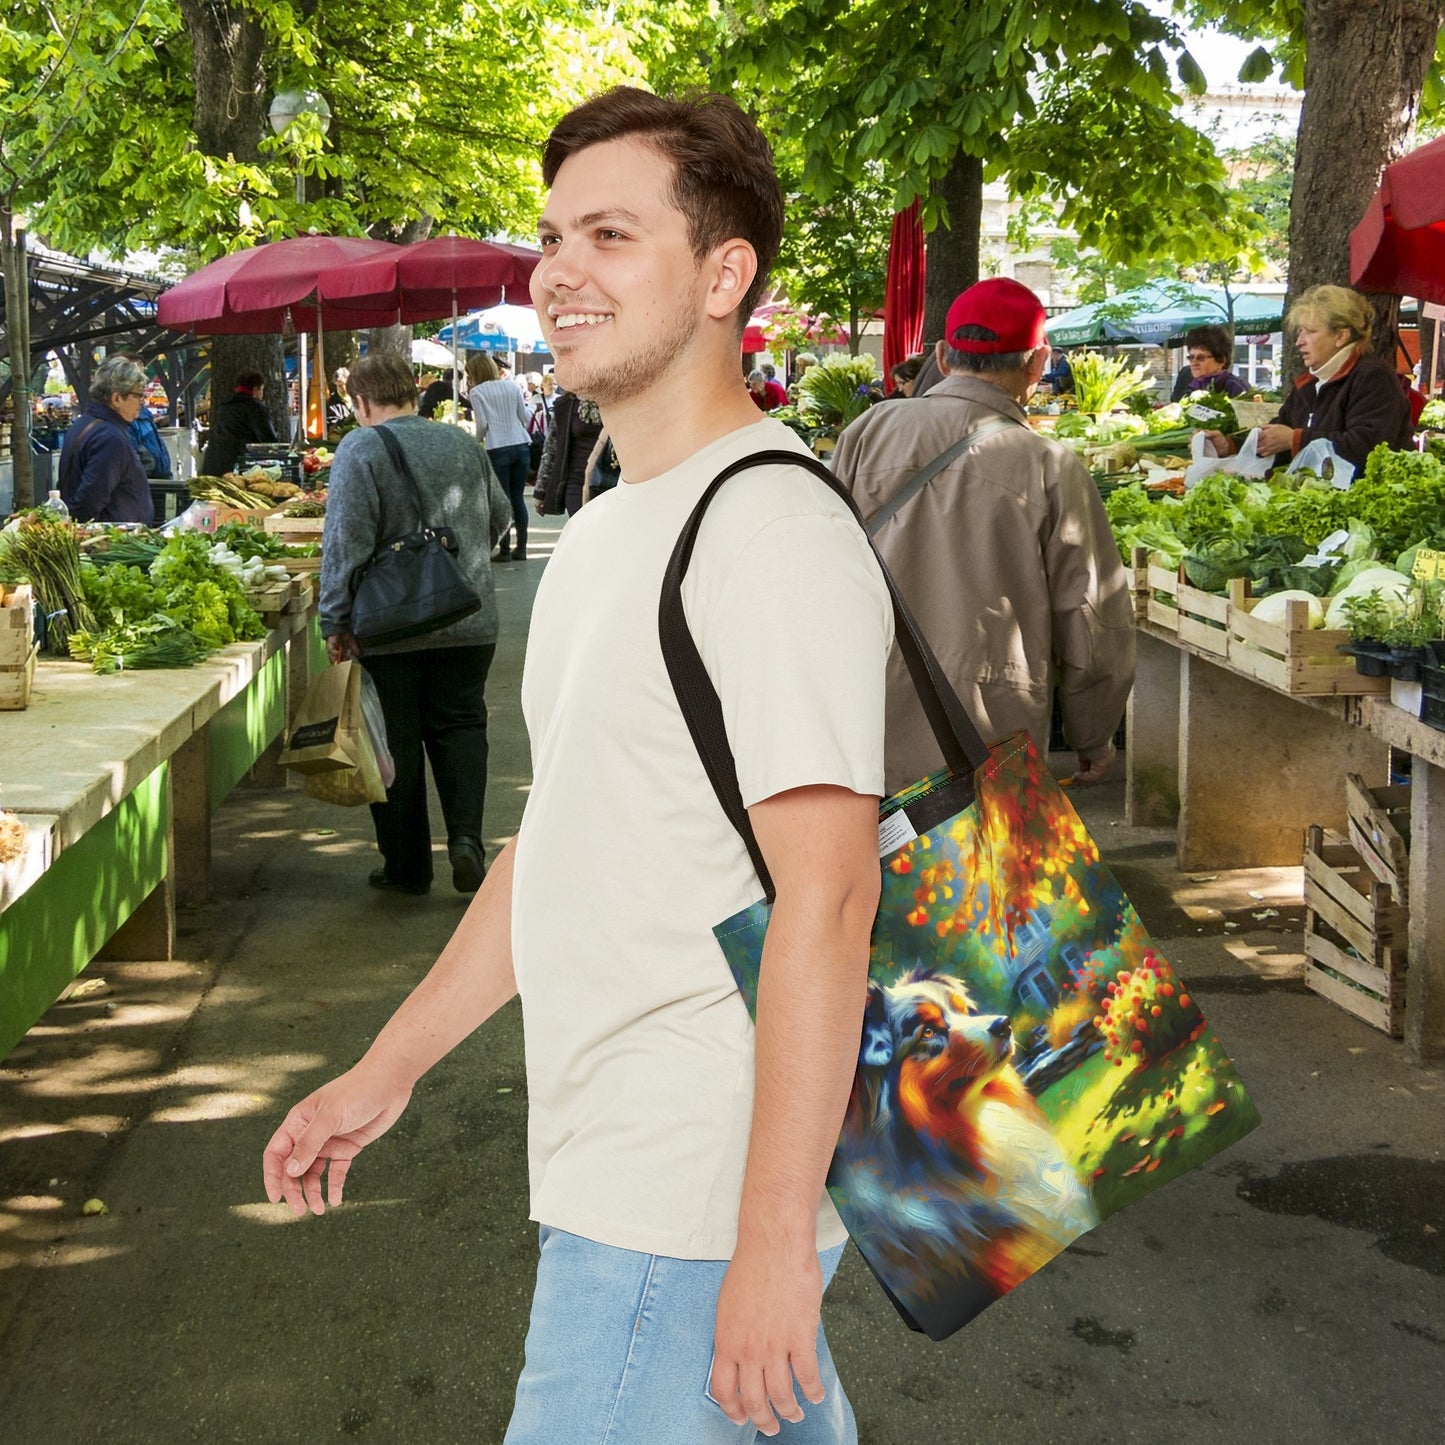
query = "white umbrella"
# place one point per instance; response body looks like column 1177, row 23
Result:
column 430, row 353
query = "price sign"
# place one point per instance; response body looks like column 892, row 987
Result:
column 1428, row 564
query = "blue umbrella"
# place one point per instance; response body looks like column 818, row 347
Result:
column 474, row 335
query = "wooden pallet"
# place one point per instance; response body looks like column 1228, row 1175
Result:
column 1294, row 657
column 1379, row 821
column 1199, row 618
column 17, row 625
column 1355, row 935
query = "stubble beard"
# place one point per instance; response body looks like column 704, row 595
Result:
column 613, row 382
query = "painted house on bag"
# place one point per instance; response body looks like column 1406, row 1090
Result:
column 1041, row 965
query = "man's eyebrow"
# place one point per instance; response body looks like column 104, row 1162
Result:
column 593, row 218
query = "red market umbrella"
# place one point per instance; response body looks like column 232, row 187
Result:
column 263, row 287
column 820, row 328
column 903, row 296
column 1399, row 245
column 431, row 279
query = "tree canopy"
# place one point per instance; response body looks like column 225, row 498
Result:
column 1076, row 99
column 441, row 116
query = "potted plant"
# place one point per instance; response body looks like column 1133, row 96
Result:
column 1369, row 618
column 1408, row 636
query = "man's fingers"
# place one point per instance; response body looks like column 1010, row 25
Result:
column 752, row 1391
column 723, row 1386
column 808, row 1376
column 779, row 1383
column 336, row 1181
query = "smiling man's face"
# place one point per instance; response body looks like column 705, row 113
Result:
column 619, row 290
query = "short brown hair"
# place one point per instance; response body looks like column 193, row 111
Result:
column 723, row 179
column 1213, row 339
column 382, row 378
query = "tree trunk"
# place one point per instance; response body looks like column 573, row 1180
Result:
column 17, row 336
column 954, row 249
column 229, row 115
column 1364, row 67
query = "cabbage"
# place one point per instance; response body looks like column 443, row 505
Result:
column 1273, row 608
column 1391, row 587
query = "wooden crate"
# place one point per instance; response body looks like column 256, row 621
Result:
column 295, row 529
column 17, row 625
column 1379, row 821
column 1294, row 658
column 301, row 595
column 16, row 682
column 308, row 565
column 1199, row 618
column 271, row 601
column 1355, row 935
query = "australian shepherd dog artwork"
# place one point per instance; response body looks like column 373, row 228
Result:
column 1028, row 1063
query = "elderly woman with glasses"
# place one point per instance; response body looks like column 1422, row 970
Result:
column 101, row 475
column 1210, row 350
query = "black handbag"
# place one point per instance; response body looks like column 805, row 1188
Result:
column 412, row 584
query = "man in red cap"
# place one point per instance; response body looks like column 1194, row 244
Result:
column 1000, row 543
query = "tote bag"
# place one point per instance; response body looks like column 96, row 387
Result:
column 1029, row 1062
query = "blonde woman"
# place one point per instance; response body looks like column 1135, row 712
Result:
column 501, row 418
column 1348, row 397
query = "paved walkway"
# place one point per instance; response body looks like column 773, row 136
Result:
column 1294, row 1290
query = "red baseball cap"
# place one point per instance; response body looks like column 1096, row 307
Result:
column 1005, row 307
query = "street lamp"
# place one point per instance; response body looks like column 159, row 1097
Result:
column 287, row 108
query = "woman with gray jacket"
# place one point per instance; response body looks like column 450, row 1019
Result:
column 432, row 687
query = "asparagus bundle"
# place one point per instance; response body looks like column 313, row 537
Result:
column 44, row 550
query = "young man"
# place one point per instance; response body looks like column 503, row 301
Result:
column 677, row 1155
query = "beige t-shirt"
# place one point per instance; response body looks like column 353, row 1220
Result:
column 639, row 1047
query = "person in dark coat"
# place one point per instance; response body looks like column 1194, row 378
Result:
column 441, row 390
column 1210, row 350
column 562, row 472
column 101, row 475
column 235, row 424
column 1059, row 378
column 1347, row 397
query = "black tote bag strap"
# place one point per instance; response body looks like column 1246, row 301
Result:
column 980, row 432
column 399, row 461
column 964, row 751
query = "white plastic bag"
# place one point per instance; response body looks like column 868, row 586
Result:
column 375, row 721
column 1246, row 462
column 1320, row 456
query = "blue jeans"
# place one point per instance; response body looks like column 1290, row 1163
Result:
column 619, row 1352
column 511, row 465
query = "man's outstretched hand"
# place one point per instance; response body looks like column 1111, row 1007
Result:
column 333, row 1126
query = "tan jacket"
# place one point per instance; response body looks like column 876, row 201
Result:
column 1008, row 562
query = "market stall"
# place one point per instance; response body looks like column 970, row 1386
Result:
column 1291, row 667
column 165, row 669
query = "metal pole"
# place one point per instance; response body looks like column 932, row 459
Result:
column 300, row 337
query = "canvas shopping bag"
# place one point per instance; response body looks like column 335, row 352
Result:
column 1029, row 1063
column 323, row 737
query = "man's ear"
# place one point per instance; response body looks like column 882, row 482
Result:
column 940, row 355
column 1038, row 364
column 734, row 265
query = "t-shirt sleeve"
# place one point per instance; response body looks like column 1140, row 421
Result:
column 796, row 641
